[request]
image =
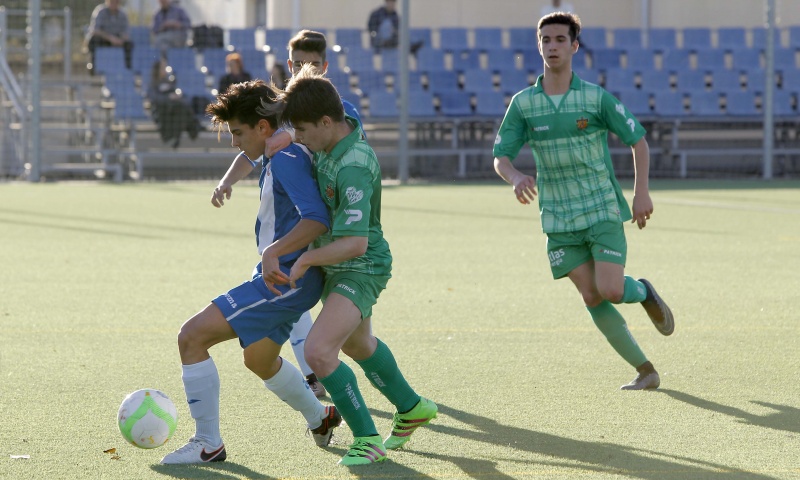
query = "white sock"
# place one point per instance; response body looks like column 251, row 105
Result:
column 201, row 382
column 297, row 337
column 290, row 386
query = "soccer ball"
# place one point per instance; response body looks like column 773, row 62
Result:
column 147, row 418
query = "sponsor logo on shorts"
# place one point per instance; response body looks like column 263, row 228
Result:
column 231, row 300
column 556, row 257
column 346, row 288
column 611, row 252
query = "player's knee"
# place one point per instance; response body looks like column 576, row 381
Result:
column 612, row 293
column 592, row 298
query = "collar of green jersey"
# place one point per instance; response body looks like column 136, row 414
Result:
column 348, row 141
column 574, row 84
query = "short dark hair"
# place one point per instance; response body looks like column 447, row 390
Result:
column 562, row 18
column 241, row 101
column 309, row 97
column 309, row 41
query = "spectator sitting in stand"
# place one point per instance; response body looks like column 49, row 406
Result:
column 235, row 72
column 170, row 26
column 171, row 112
column 384, row 28
column 108, row 28
column 279, row 76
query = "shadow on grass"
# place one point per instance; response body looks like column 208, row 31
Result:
column 209, row 470
column 578, row 455
column 784, row 418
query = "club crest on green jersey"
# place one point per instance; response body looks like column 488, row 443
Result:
column 582, row 123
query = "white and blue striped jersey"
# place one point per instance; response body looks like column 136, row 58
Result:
column 289, row 193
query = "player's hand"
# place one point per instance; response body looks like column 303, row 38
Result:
column 271, row 272
column 298, row 270
column 525, row 189
column 222, row 192
column 642, row 209
column 276, row 143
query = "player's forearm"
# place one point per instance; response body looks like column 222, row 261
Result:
column 341, row 250
column 504, row 168
column 239, row 169
column 641, row 166
column 298, row 237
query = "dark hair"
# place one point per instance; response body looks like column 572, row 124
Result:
column 309, row 41
column 241, row 101
column 562, row 18
column 309, row 97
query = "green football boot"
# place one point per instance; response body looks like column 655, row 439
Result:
column 364, row 451
column 405, row 424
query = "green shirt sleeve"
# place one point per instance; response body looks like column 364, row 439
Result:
column 512, row 134
column 620, row 120
column 352, row 213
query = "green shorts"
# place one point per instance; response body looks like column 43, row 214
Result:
column 360, row 288
column 603, row 242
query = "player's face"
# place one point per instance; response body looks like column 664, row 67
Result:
column 249, row 139
column 315, row 136
column 555, row 46
column 298, row 58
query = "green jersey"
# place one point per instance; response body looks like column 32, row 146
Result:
column 575, row 177
column 349, row 180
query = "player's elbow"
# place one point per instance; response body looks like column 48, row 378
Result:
column 357, row 246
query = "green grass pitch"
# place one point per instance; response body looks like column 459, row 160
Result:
column 96, row 279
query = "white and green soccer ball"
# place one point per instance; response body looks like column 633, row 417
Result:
column 147, row 418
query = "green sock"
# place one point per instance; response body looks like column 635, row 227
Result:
column 613, row 326
column 382, row 371
column 634, row 291
column 343, row 389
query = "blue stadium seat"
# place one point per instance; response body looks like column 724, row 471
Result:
column 118, row 82
column 383, row 105
column 756, row 79
column 513, row 81
column 790, row 80
column 794, row 36
column 655, row 80
column 662, row 39
column 371, row 81
column 619, row 79
column 696, row 37
column 254, row 60
column 109, row 60
column 477, row 80
column 442, row 81
column 691, row 80
column 455, row 103
column 139, row 35
column 705, row 104
column 430, row 60
column 181, row 59
column 335, row 60
column 490, row 104
column 640, row 59
column 242, row 38
column 627, row 38
column 192, row 83
column 501, row 60
column 636, row 101
column 710, row 58
column 783, row 103
column 466, row 60
column 360, row 60
column 390, row 60
column 420, row 104
column 731, row 37
column 741, row 104
column 746, row 58
column 420, row 34
column 351, row 96
column 129, row 106
column 487, row 38
column 453, row 39
column 214, row 61
column 521, row 37
column 723, row 80
column 604, row 59
column 339, row 79
column 349, row 37
column 593, row 38
column 760, row 38
column 784, row 59
column 675, row 60
column 278, row 39
column 142, row 59
column 578, row 60
column 668, row 104
column 588, row 74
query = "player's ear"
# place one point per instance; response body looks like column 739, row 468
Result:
column 324, row 67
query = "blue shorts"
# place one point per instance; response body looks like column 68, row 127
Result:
column 255, row 313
